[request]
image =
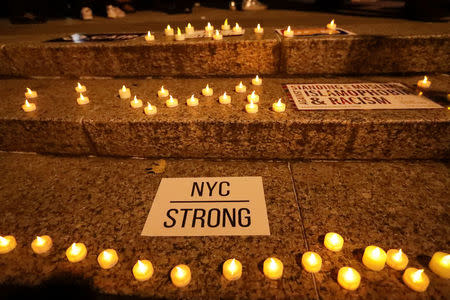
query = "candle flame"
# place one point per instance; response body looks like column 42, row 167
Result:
column 425, row 79
column 258, row 27
column 253, row 94
column 376, row 252
column 279, row 102
column 397, row 256
column 312, row 259
column 149, row 34
column 106, row 255
column 178, row 31
column 142, row 268
column 334, row 239
column 232, row 266
column 3, row 241
column 289, row 29
column 189, row 25
column 29, row 91
column 162, row 89
column 40, row 241
column 192, row 98
column 226, row 22
column 236, row 26
column 180, row 272
column 272, row 263
column 79, row 85
column 224, row 94
column 209, row 25
column 417, row 276
column 349, row 275
column 149, row 106
column 240, row 84
column 81, row 96
column 27, row 103
column 420, row 93
column 170, row 98
column 75, row 249
column 257, row 78
column 332, row 22
column 124, row 89
column 217, row 32
column 168, row 27
column 446, row 260
column 207, row 87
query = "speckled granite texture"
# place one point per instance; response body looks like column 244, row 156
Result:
column 109, row 126
column 104, row 203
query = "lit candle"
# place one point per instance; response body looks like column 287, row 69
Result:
column 189, row 29
column 136, row 103
column 288, row 32
column 278, row 106
column 162, row 93
column 217, row 36
column 232, row 269
column 440, row 264
column 225, row 25
column 80, row 88
column 251, row 108
column 416, row 279
column 311, row 262
column 28, row 107
column 149, row 37
column 107, row 258
column 168, row 31
column 209, row 28
column 396, row 259
column 41, row 244
column 171, row 102
column 237, row 28
column 333, row 241
column 253, row 97
column 225, row 99
column 374, row 258
column 179, row 36
column 180, row 275
column 77, row 252
column 258, row 29
column 273, row 268
column 7, row 244
column 349, row 278
column 124, row 93
column 424, row 83
column 150, row 109
column 30, row 94
column 82, row 100
column 257, row 81
column 331, row 25
column 240, row 88
column 143, row 270
column 192, row 101
column 207, row 91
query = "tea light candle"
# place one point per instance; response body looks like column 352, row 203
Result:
column 150, row 109
column 209, row 28
column 253, row 97
column 232, row 269
column 189, row 29
column 217, row 36
column 258, row 29
column 349, row 278
column 143, row 270
column 225, row 99
column 311, row 262
column 273, row 268
column 207, row 91
column 149, row 37
column 237, row 28
column 331, row 25
column 162, row 93
column 240, row 88
column 251, row 108
column 136, row 103
column 424, row 83
column 192, row 101
column 257, row 81
column 30, row 94
column 7, row 244
column 171, row 102
column 80, row 88
column 179, row 36
column 41, row 244
column 288, row 32
column 333, row 241
column 440, row 264
column 374, row 258
column 416, row 279
column 180, row 275
column 396, row 259
column 82, row 100
column 168, row 31
column 225, row 25
column 107, row 258
column 28, row 107
column 278, row 106
column 124, row 93
column 76, row 253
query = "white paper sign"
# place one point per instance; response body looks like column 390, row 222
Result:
column 208, row 206
column 331, row 96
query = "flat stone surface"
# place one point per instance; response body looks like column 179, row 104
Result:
column 109, row 126
column 392, row 205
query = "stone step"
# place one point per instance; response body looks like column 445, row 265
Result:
column 104, row 202
column 108, row 126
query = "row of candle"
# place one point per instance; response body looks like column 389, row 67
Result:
column 374, row 258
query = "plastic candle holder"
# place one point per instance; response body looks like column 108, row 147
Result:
column 171, row 102
column 258, row 29
column 396, row 259
column 80, row 88
column 28, row 107
column 192, row 101
column 179, row 36
column 257, row 80
column 180, row 275
column 136, row 103
column 150, row 109
column 42, row 244
column 225, row 25
column 76, row 252
column 189, row 29
column 278, row 106
column 107, row 258
column 209, row 28
column 288, row 32
column 82, row 100
column 143, row 270
column 333, row 241
column 217, row 36
column 311, row 262
column 124, row 93
column 232, row 269
column 168, row 31
column 416, row 279
column 225, row 99
column 251, row 108
column 424, row 83
column 149, row 37
column 273, row 268
column 374, row 258
column 162, row 93
column 240, row 88
column 331, row 25
column 237, row 28
column 30, row 94
column 349, row 278
column 7, row 244
column 253, row 97
column 440, row 264
column 207, row 91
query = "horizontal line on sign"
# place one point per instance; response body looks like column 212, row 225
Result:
column 210, row 201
